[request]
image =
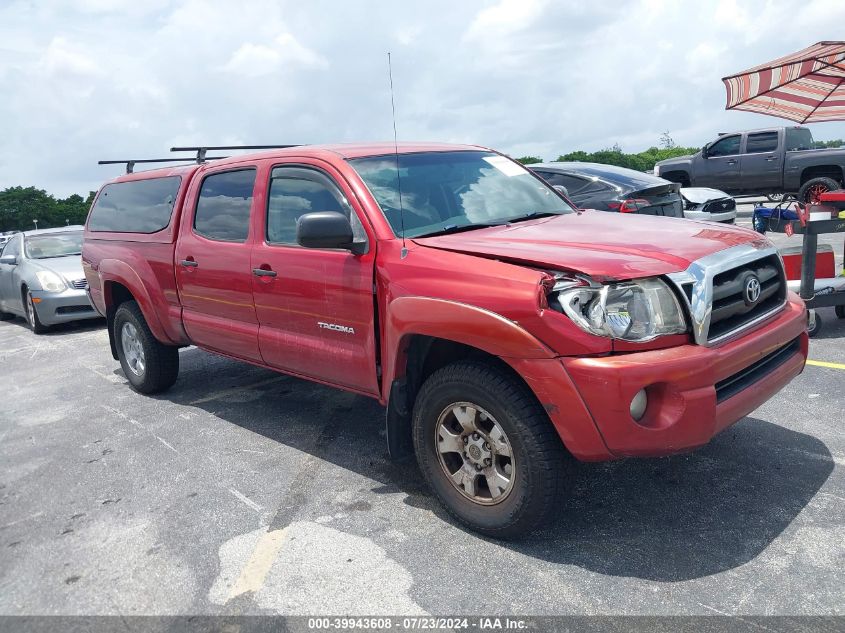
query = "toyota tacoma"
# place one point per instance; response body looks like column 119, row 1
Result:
column 504, row 330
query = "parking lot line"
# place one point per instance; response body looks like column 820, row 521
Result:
column 819, row 363
column 255, row 571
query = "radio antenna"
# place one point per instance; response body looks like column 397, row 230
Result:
column 404, row 252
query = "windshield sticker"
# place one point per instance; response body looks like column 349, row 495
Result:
column 507, row 167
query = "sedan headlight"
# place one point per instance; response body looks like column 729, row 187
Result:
column 50, row 281
column 637, row 311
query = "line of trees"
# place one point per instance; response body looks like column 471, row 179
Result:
column 24, row 208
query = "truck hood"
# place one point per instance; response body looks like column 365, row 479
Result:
column 676, row 159
column 600, row 244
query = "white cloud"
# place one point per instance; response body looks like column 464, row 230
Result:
column 61, row 58
column 505, row 17
column 284, row 53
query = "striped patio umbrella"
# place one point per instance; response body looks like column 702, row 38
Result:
column 807, row 86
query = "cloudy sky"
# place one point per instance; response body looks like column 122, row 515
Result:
column 82, row 80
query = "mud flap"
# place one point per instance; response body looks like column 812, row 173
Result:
column 400, row 441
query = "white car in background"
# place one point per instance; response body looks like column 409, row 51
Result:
column 703, row 203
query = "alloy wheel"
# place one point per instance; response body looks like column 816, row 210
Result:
column 30, row 311
column 475, row 453
column 815, row 192
column 133, row 351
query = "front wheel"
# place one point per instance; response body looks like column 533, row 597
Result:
column 32, row 315
column 488, row 450
column 812, row 189
column 149, row 366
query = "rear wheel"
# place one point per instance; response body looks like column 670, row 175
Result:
column 149, row 366
column 32, row 314
column 775, row 197
column 488, row 450
column 813, row 188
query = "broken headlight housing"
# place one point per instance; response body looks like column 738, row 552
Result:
column 638, row 311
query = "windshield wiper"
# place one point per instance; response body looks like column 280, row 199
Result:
column 531, row 215
column 455, row 228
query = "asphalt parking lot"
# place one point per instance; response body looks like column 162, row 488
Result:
column 242, row 491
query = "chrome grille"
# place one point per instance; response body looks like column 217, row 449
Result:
column 714, row 290
column 731, row 308
column 79, row 284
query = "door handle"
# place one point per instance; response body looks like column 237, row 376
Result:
column 730, row 162
column 262, row 272
column 771, row 159
column 189, row 263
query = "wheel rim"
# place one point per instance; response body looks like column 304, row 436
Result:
column 30, row 310
column 133, row 352
column 475, row 453
column 814, row 192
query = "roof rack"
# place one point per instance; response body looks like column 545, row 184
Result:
column 130, row 164
column 201, row 150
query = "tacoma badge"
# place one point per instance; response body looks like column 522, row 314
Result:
column 337, row 328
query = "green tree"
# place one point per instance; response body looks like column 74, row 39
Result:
column 529, row 160
column 20, row 206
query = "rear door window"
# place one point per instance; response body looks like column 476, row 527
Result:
column 224, row 206
column 761, row 142
column 135, row 206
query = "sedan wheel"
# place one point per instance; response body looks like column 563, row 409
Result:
column 475, row 453
column 32, row 316
column 133, row 351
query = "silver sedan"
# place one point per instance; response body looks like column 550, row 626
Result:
column 41, row 278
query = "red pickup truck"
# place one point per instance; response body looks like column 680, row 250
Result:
column 504, row 330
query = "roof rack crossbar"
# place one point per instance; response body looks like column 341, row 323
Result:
column 201, row 150
column 130, row 164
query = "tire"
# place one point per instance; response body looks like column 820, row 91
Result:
column 817, row 327
column 32, row 314
column 149, row 366
column 810, row 190
column 840, row 312
column 534, row 472
column 775, row 197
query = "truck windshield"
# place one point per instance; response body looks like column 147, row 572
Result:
column 442, row 192
column 49, row 245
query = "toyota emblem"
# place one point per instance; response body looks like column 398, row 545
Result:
column 752, row 290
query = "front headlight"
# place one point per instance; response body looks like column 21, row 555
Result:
column 50, row 281
column 637, row 311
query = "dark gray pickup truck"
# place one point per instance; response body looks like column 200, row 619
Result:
column 760, row 162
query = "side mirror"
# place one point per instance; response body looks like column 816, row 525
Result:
column 327, row 229
column 562, row 189
column 704, row 150
column 11, row 260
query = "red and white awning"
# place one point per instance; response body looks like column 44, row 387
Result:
column 807, row 86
